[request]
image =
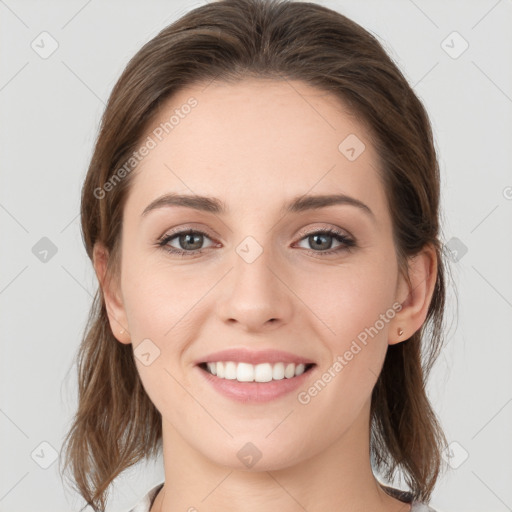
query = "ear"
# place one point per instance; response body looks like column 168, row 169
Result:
column 414, row 297
column 111, row 295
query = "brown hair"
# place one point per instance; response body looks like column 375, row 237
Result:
column 116, row 424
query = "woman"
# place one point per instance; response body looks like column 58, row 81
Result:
column 262, row 213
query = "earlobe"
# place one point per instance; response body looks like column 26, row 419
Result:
column 422, row 274
column 109, row 289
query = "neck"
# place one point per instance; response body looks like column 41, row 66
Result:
column 339, row 478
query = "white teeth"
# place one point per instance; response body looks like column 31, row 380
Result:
column 263, row 372
column 299, row 370
column 289, row 371
column 230, row 370
column 245, row 372
column 278, row 371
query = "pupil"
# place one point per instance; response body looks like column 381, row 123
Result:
column 190, row 236
column 315, row 237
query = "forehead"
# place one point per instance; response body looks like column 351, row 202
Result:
column 257, row 139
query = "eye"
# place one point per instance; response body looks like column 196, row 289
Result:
column 190, row 242
column 322, row 239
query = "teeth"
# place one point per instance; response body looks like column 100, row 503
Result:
column 289, row 371
column 245, row 372
column 264, row 372
column 230, row 371
column 300, row 368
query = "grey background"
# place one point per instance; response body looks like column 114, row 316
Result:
column 51, row 108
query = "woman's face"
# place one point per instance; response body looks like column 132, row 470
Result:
column 262, row 277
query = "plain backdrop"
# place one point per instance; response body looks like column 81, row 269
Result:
column 458, row 57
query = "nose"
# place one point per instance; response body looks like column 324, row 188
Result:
column 255, row 295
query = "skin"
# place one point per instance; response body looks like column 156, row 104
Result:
column 255, row 145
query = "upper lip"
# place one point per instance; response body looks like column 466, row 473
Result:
column 243, row 355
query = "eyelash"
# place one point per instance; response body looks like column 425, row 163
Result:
column 348, row 243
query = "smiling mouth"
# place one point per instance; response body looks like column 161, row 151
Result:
column 263, row 372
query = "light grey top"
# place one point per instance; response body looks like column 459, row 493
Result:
column 145, row 503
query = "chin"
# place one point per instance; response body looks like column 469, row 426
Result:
column 257, row 455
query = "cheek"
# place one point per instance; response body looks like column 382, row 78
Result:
column 156, row 304
column 354, row 304
column 156, row 297
column 350, row 299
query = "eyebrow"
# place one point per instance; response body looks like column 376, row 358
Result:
column 296, row 205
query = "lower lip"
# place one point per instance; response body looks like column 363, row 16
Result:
column 255, row 391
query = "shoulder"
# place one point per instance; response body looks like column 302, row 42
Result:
column 144, row 505
column 417, row 506
column 407, row 497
